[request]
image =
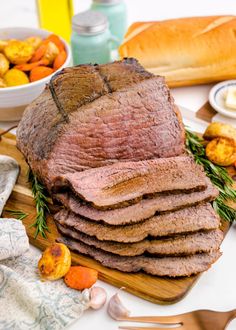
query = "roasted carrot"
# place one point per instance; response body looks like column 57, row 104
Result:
column 59, row 60
column 56, row 40
column 39, row 52
column 40, row 72
column 80, row 278
column 30, row 66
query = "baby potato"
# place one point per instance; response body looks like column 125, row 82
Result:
column 18, row 51
column 2, row 83
column 55, row 262
column 51, row 52
column 15, row 77
column 221, row 151
column 4, row 64
column 34, row 42
column 3, row 44
column 219, row 130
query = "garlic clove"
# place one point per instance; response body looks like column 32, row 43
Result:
column 98, row 297
column 85, row 297
column 116, row 309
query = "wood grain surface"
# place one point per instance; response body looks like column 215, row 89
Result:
column 206, row 112
column 155, row 289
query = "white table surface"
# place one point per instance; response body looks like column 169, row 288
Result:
column 216, row 289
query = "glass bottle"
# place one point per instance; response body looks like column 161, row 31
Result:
column 55, row 16
column 91, row 40
column 116, row 12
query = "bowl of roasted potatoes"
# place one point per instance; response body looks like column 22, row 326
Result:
column 29, row 57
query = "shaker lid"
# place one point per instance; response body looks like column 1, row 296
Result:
column 89, row 22
column 108, row 2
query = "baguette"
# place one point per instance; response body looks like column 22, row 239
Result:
column 187, row 51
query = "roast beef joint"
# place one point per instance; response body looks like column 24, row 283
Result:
column 108, row 143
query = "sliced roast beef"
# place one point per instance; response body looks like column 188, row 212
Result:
column 146, row 208
column 109, row 143
column 205, row 241
column 191, row 219
column 164, row 266
column 91, row 116
column 127, row 182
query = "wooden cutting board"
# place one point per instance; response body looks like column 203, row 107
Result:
column 206, row 112
column 152, row 288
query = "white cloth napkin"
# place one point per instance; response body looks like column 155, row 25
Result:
column 9, row 170
column 13, row 239
column 27, row 303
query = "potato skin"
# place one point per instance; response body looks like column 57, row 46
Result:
column 51, row 52
column 3, row 44
column 4, row 65
column 15, row 77
column 215, row 130
column 2, row 83
column 221, row 151
column 34, row 41
column 55, row 262
column 18, row 51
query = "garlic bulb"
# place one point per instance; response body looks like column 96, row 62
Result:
column 116, row 309
column 98, row 297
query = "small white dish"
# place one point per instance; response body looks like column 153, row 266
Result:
column 13, row 100
column 217, row 98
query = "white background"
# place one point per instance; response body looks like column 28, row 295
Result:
column 216, row 289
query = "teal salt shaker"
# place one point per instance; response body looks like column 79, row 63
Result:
column 116, row 12
column 91, row 39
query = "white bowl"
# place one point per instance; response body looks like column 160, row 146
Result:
column 217, row 98
column 13, row 100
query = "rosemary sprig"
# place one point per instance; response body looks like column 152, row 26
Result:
column 218, row 176
column 19, row 215
column 41, row 200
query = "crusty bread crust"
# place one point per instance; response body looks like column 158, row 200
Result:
column 186, row 51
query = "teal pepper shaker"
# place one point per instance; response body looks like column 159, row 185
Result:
column 116, row 12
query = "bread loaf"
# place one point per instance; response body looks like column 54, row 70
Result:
column 186, row 51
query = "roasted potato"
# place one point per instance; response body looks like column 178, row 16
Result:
column 221, row 151
column 2, row 83
column 18, row 51
column 215, row 130
column 4, row 65
column 3, row 44
column 35, row 42
column 55, row 262
column 51, row 52
column 15, row 77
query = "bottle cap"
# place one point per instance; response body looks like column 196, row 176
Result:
column 89, row 23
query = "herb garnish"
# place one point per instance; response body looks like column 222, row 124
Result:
column 218, row 176
column 41, row 203
column 19, row 215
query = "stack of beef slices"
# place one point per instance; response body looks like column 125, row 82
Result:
column 108, row 142
column 149, row 215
